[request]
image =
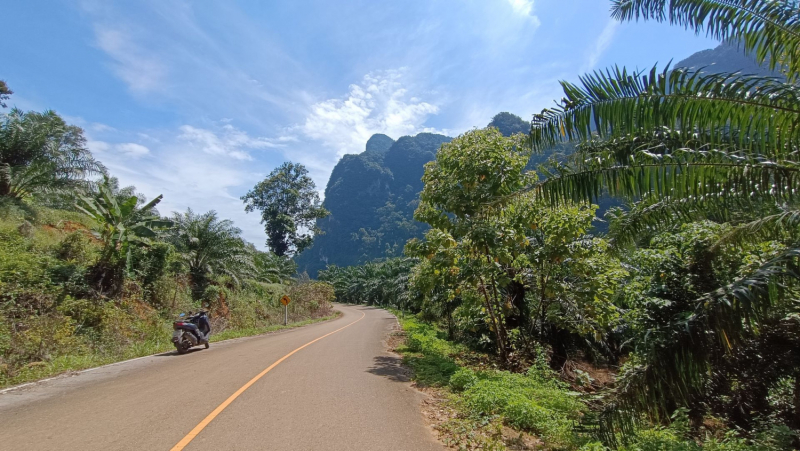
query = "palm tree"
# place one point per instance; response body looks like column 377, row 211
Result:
column 271, row 268
column 122, row 224
column 210, row 247
column 683, row 146
column 40, row 153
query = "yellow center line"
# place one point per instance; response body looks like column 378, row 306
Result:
column 197, row 429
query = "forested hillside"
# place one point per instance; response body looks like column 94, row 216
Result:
column 371, row 198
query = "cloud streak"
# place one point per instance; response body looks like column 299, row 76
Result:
column 600, row 46
column 138, row 68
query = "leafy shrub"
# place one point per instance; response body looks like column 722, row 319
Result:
column 462, row 379
column 40, row 338
column 543, row 407
column 314, row 297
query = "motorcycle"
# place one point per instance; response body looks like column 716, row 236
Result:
column 193, row 331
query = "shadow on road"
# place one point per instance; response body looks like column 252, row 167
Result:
column 391, row 368
column 175, row 353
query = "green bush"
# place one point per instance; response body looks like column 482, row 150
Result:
column 537, row 402
column 529, row 403
column 462, row 379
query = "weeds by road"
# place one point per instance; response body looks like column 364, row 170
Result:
column 153, row 345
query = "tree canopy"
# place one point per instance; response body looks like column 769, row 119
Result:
column 289, row 206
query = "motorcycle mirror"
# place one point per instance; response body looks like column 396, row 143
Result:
column 182, row 315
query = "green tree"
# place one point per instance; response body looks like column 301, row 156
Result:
column 40, row 153
column 121, row 225
column 466, row 188
column 210, row 247
column 685, row 146
column 382, row 282
column 5, row 93
column 270, row 268
column 289, row 206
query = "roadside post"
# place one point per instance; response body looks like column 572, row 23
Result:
column 285, row 301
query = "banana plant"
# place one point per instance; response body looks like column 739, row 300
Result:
column 121, row 224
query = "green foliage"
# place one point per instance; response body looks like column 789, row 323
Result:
column 51, row 321
column 122, row 225
column 270, row 268
column 536, row 402
column 462, row 379
column 5, row 93
column 707, row 300
column 40, row 154
column 210, row 247
column 543, row 407
column 382, row 283
column 289, row 204
column 474, row 169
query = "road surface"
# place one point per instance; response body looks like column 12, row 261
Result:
column 341, row 392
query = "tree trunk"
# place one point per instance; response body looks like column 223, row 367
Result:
column 519, row 313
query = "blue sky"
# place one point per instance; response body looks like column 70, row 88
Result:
column 199, row 100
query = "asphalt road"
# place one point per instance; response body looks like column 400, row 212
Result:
column 342, row 392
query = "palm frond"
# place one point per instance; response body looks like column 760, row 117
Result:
column 753, row 113
column 783, row 225
column 700, row 175
column 653, row 215
column 769, row 30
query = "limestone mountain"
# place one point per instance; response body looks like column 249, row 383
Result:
column 727, row 57
column 372, row 197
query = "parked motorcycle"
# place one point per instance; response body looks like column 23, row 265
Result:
column 192, row 331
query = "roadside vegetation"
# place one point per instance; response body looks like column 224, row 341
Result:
column 678, row 328
column 92, row 273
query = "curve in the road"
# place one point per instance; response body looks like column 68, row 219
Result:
column 202, row 425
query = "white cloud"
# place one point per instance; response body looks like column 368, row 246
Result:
column 379, row 104
column 601, row 45
column 134, row 65
column 188, row 174
column 522, row 7
column 525, row 8
column 229, row 141
column 131, row 150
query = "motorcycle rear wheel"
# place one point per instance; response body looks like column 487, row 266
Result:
column 183, row 346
